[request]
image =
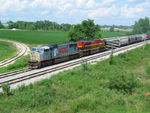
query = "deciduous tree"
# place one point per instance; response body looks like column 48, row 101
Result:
column 87, row 30
column 1, row 25
column 142, row 26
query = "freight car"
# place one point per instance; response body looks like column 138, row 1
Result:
column 148, row 36
column 125, row 40
column 117, row 41
column 52, row 54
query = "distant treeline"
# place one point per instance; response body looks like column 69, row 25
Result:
column 39, row 25
column 117, row 26
column 49, row 26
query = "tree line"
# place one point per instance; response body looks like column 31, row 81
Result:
column 117, row 26
column 39, row 25
column 1, row 25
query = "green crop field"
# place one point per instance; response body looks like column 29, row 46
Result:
column 35, row 37
column 107, row 34
column 45, row 37
column 7, row 50
column 116, row 85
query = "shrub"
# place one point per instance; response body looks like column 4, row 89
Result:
column 6, row 89
column 112, row 61
column 85, row 65
column 125, row 83
column 147, row 69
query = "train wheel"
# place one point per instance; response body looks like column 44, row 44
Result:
column 39, row 65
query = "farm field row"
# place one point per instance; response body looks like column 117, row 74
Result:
column 7, row 50
column 116, row 87
column 45, row 37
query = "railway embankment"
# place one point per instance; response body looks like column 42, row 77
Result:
column 118, row 83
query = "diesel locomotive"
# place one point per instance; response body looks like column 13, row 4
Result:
column 51, row 54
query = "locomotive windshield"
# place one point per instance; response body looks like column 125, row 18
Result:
column 33, row 49
column 37, row 49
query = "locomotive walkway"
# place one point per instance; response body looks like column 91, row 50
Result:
column 22, row 48
column 35, row 75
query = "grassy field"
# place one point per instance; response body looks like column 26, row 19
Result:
column 19, row 64
column 35, row 37
column 107, row 34
column 45, row 37
column 7, row 50
column 116, row 85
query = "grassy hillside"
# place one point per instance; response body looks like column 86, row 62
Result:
column 7, row 50
column 116, row 85
column 45, row 37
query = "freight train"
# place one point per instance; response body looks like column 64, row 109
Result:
column 51, row 54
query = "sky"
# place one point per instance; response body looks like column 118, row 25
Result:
column 109, row 12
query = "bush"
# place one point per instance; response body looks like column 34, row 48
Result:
column 112, row 61
column 147, row 69
column 125, row 83
column 85, row 65
column 6, row 89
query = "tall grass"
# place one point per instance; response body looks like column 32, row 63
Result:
column 78, row 91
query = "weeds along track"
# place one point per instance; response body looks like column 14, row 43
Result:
column 22, row 50
column 12, row 80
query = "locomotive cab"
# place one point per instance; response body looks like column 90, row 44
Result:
column 38, row 55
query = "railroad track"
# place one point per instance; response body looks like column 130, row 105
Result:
column 20, row 78
column 4, row 75
column 22, row 51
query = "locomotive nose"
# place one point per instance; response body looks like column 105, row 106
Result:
column 34, row 57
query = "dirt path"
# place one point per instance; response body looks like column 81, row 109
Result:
column 22, row 48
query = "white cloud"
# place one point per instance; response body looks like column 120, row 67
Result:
column 101, row 12
column 44, row 12
column 14, row 5
column 80, row 3
column 130, row 12
column 107, row 2
column 42, row 3
column 91, row 4
column 76, row 9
